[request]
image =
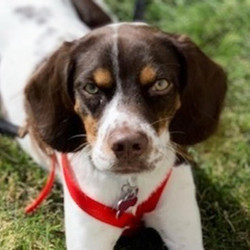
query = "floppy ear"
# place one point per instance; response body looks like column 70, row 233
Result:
column 50, row 103
column 202, row 95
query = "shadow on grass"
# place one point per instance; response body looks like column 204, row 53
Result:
column 226, row 224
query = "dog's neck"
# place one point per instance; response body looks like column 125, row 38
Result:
column 107, row 187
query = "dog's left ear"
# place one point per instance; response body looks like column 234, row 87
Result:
column 202, row 93
column 50, row 103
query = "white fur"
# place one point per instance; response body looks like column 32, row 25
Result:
column 24, row 44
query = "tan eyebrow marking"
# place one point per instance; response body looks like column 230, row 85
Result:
column 147, row 75
column 102, row 77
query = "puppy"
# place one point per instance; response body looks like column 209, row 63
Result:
column 111, row 104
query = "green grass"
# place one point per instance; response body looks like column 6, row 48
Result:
column 222, row 29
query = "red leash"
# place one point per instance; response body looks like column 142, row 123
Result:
column 46, row 189
column 94, row 208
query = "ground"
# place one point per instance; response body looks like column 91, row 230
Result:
column 222, row 29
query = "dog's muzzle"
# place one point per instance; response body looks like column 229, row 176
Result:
column 130, row 148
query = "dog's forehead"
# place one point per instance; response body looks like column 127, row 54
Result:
column 126, row 40
column 125, row 51
column 124, row 31
column 121, row 40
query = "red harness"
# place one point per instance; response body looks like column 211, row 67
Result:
column 94, row 208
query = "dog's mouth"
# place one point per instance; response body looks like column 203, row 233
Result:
column 124, row 166
column 128, row 170
column 127, row 166
column 130, row 167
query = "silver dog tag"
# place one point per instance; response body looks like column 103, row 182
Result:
column 129, row 199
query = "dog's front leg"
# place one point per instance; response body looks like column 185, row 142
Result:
column 84, row 232
column 177, row 217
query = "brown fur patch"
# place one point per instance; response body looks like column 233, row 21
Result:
column 89, row 123
column 147, row 75
column 91, row 128
column 164, row 122
column 102, row 78
column 162, row 126
column 178, row 102
column 77, row 106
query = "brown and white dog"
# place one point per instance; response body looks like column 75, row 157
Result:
column 117, row 100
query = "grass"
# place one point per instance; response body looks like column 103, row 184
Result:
column 222, row 29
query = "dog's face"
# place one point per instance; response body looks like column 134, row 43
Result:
column 131, row 90
column 126, row 92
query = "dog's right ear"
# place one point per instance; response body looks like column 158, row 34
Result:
column 50, row 103
column 203, row 89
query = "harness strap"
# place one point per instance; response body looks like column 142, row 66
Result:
column 99, row 211
column 108, row 214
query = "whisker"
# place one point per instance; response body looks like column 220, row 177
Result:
column 77, row 136
column 182, row 152
column 160, row 120
column 81, row 146
column 163, row 119
column 177, row 149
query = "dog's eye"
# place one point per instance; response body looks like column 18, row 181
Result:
column 91, row 88
column 161, row 87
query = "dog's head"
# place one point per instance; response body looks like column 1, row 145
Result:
column 128, row 91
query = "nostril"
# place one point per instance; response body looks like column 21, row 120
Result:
column 137, row 147
column 118, row 147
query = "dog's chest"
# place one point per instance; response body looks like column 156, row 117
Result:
column 109, row 189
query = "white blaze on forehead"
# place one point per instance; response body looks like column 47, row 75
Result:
column 115, row 51
column 115, row 55
column 127, row 23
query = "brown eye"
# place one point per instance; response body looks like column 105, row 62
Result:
column 91, row 88
column 160, row 87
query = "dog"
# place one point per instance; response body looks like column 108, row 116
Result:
column 112, row 106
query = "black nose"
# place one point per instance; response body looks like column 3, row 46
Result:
column 127, row 143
